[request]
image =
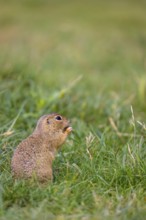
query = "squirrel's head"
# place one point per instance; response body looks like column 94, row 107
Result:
column 53, row 127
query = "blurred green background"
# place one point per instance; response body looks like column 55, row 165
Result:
column 55, row 42
column 86, row 60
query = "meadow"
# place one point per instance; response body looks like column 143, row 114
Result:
column 85, row 60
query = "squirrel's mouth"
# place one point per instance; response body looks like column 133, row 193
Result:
column 67, row 129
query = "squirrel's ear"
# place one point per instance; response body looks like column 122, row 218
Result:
column 48, row 122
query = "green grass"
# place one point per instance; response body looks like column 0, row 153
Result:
column 85, row 60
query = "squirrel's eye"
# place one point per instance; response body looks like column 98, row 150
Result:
column 58, row 117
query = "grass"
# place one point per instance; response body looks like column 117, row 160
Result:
column 85, row 60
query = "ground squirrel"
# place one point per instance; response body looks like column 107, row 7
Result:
column 34, row 155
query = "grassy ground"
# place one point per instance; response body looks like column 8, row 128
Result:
column 87, row 61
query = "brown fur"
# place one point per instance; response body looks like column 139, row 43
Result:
column 34, row 155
